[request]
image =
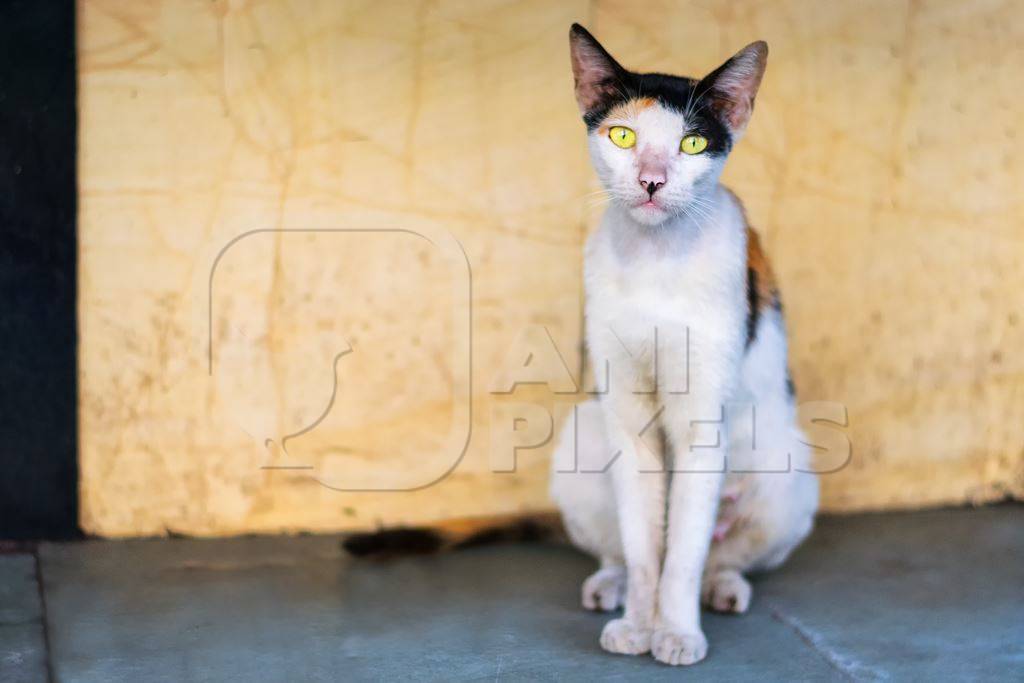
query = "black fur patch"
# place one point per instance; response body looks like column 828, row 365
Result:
column 673, row 92
column 753, row 306
column 392, row 542
column 790, row 387
column 679, row 93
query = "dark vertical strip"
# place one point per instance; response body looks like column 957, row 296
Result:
column 48, row 651
column 753, row 305
column 38, row 326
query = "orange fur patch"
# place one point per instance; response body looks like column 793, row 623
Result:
column 626, row 111
column 757, row 261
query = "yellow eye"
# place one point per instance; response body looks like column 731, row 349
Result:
column 693, row 144
column 622, row 137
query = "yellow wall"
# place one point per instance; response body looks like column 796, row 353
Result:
column 408, row 181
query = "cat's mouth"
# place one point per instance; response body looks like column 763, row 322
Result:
column 650, row 204
column 649, row 211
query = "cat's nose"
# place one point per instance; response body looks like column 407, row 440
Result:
column 652, row 182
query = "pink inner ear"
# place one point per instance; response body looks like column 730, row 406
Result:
column 738, row 111
column 737, row 84
column 737, row 98
column 592, row 69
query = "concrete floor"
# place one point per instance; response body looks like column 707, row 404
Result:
column 929, row 596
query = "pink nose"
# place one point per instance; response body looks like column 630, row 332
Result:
column 652, row 180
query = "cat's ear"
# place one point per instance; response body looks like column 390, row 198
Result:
column 733, row 86
column 594, row 70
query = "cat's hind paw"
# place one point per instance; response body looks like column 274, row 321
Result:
column 605, row 589
column 625, row 638
column 676, row 648
column 727, row 591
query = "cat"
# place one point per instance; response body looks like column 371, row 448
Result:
column 689, row 469
column 684, row 324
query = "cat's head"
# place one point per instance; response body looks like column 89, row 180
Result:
column 658, row 142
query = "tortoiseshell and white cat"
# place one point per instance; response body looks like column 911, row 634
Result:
column 684, row 322
column 690, row 469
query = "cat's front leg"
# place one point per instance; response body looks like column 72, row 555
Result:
column 698, row 469
column 639, row 481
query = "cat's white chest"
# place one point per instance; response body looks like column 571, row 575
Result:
column 635, row 303
column 678, row 293
column 657, row 287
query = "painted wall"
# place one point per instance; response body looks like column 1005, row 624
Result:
column 314, row 236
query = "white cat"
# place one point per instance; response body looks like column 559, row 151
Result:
column 689, row 470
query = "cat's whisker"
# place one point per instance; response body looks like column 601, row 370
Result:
column 701, row 211
column 703, row 207
column 689, row 101
column 699, row 220
column 691, row 107
column 619, row 87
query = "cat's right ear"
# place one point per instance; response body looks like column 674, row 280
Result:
column 594, row 70
column 734, row 85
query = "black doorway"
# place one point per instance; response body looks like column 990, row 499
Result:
column 38, row 338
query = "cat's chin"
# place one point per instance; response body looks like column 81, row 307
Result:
column 649, row 214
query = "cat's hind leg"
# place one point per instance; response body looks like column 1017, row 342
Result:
column 773, row 513
column 725, row 590
column 769, row 494
column 584, row 495
column 723, row 587
column 605, row 589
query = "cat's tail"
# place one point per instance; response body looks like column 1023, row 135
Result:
column 455, row 534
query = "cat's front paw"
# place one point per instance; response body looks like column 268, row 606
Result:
column 625, row 638
column 675, row 647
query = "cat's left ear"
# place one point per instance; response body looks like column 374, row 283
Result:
column 595, row 72
column 733, row 86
